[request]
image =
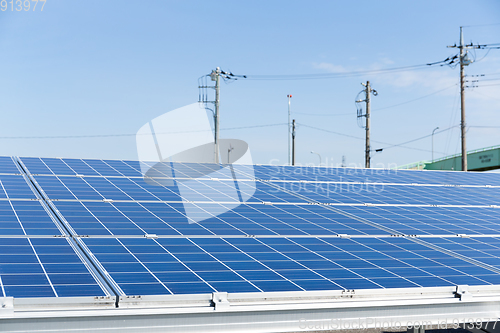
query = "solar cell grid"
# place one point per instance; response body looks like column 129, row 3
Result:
column 43, row 267
column 374, row 175
column 391, row 194
column 299, row 251
column 15, row 187
column 7, row 166
column 431, row 220
column 279, row 264
column 167, row 219
column 80, row 167
column 25, row 218
column 132, row 169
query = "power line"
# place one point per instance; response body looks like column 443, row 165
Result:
column 453, row 117
column 344, row 74
column 333, row 132
column 477, row 92
column 378, row 109
column 325, row 114
column 420, row 138
column 360, row 138
column 488, row 85
column 413, row 100
column 480, row 25
column 125, row 135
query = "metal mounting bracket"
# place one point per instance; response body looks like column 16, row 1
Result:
column 6, row 306
column 220, row 301
column 463, row 293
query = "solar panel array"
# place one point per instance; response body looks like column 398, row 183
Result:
column 71, row 227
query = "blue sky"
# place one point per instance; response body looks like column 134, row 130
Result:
column 90, row 68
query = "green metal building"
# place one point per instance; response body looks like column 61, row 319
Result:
column 477, row 160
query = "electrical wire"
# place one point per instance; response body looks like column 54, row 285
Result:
column 489, row 85
column 125, row 135
column 482, row 56
column 479, row 25
column 377, row 109
column 343, row 74
column 413, row 100
column 420, row 138
column 360, row 138
column 453, row 120
column 324, row 114
column 477, row 92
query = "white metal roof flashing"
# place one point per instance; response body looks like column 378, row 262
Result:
column 252, row 312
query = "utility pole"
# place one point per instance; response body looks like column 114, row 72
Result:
column 367, row 126
column 462, row 102
column 464, row 61
column 289, row 128
column 367, row 91
column 215, row 75
column 293, row 142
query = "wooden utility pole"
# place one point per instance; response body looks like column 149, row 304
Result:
column 368, row 91
column 367, row 126
column 462, row 102
column 464, row 61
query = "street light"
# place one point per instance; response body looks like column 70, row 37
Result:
column 313, row 152
column 433, row 143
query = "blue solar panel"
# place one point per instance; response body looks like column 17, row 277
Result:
column 25, row 218
column 51, row 166
column 99, row 188
column 15, row 187
column 8, row 166
column 71, row 167
column 431, row 220
column 135, row 218
column 180, row 266
column 392, row 194
column 43, row 267
column 290, row 173
column 243, row 229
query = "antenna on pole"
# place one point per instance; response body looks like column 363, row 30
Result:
column 215, row 76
